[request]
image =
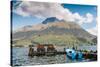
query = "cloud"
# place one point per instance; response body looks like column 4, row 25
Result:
column 39, row 10
column 21, row 12
column 45, row 10
column 79, row 19
column 89, row 18
column 93, row 30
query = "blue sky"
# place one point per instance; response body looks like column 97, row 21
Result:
column 19, row 21
column 36, row 14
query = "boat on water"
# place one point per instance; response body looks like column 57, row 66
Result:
column 72, row 54
column 79, row 55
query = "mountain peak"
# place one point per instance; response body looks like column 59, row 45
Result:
column 50, row 20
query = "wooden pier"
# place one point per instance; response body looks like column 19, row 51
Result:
column 51, row 51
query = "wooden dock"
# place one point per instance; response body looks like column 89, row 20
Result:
column 50, row 50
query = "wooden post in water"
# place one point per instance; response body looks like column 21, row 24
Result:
column 31, row 51
column 64, row 54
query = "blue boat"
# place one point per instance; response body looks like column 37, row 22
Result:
column 72, row 54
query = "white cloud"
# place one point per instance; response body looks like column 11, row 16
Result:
column 41, row 9
column 96, row 19
column 44, row 10
column 93, row 30
column 79, row 19
column 89, row 18
column 21, row 12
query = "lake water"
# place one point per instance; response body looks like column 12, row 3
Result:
column 20, row 58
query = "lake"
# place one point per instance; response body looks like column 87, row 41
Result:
column 20, row 58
